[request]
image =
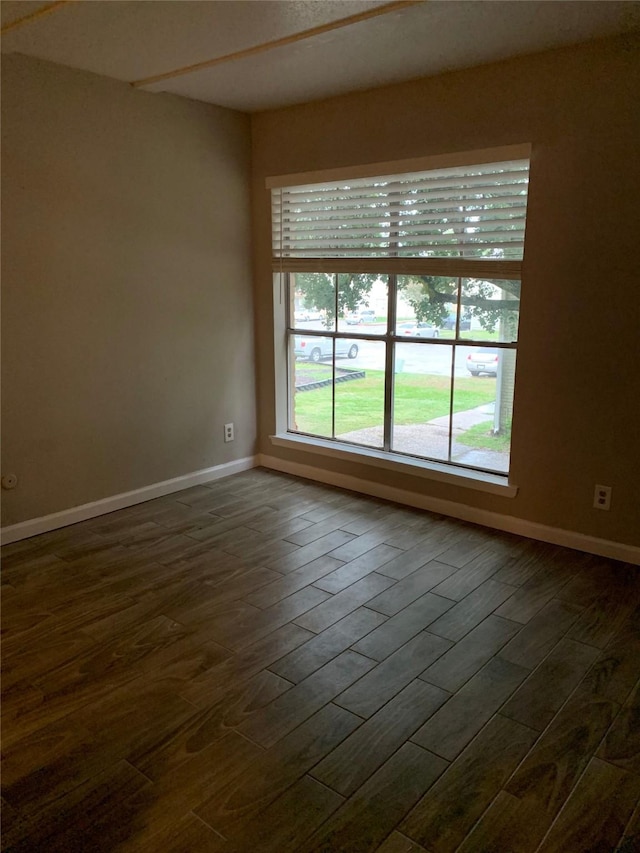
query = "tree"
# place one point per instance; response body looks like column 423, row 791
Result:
column 432, row 298
column 318, row 290
column 491, row 302
column 495, row 304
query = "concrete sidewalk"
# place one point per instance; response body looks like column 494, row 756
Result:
column 432, row 439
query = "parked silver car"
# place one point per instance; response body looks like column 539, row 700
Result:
column 418, row 330
column 314, row 348
column 366, row 315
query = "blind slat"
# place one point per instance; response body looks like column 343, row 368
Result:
column 487, row 194
column 499, row 172
column 461, row 226
column 509, row 250
column 483, row 268
column 355, row 218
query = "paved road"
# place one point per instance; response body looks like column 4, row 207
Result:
column 414, row 358
column 430, row 358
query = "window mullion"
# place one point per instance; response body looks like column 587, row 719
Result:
column 456, row 335
column 459, row 309
column 389, row 370
column 390, row 348
column 451, row 392
column 284, row 280
column 333, row 359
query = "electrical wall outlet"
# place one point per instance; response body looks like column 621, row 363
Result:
column 602, row 497
column 228, row 432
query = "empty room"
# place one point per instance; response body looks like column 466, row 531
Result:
column 320, row 449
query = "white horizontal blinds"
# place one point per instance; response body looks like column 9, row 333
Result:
column 464, row 212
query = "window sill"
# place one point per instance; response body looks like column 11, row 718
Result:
column 480, row 481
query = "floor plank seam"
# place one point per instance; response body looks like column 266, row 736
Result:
column 108, row 680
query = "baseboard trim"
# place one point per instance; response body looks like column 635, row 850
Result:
column 34, row 526
column 507, row 523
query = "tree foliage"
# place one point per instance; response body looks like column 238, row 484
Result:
column 318, row 291
column 432, row 298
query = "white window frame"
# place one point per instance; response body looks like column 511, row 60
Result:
column 500, row 269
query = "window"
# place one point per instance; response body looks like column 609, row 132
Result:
column 402, row 300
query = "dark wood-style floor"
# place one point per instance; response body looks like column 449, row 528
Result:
column 269, row 664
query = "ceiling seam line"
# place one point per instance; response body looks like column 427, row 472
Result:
column 34, row 16
column 280, row 42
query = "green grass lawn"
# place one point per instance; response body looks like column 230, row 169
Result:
column 476, row 335
column 307, row 371
column 481, row 436
column 359, row 403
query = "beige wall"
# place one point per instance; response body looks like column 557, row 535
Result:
column 577, row 405
column 127, row 293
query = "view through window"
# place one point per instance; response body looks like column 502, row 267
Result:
column 404, row 336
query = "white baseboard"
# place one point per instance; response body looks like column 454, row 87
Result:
column 531, row 529
column 34, row 526
column 507, row 523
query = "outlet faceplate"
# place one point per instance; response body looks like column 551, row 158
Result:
column 228, row 432
column 602, row 497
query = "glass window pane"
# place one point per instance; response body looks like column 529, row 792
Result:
column 337, row 384
column 420, row 309
column 450, row 325
column 363, row 303
column 490, row 310
column 312, row 301
column 359, row 394
column 421, row 400
column 483, row 406
column 311, row 385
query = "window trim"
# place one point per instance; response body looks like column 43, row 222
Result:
column 445, row 472
column 519, row 151
column 480, row 481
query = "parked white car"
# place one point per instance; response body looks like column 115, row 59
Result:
column 483, row 360
column 418, row 330
column 315, row 348
column 367, row 315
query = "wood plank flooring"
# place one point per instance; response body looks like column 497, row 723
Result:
column 266, row 664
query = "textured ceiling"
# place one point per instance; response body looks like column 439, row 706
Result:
column 133, row 41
